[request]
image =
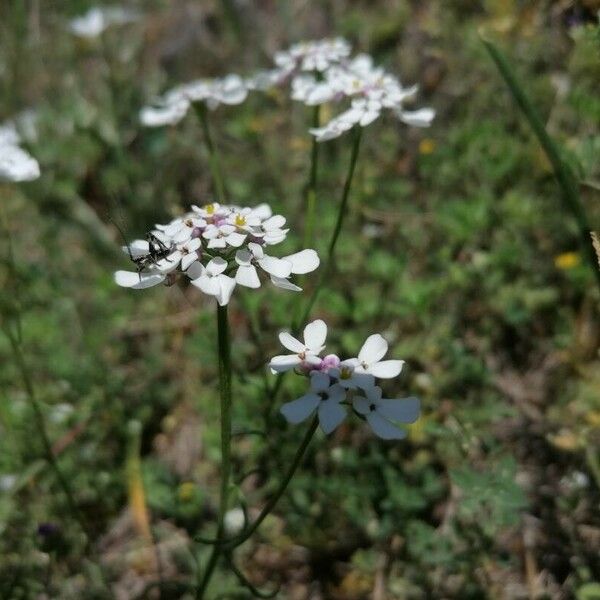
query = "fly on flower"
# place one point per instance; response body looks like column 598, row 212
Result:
column 336, row 384
column 217, row 247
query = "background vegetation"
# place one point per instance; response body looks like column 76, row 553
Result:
column 456, row 248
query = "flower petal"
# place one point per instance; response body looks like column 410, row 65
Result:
column 373, row 350
column 216, row 266
column 417, row 118
column 383, row 428
column 284, row 284
column 284, row 362
column 315, row 334
column 304, row 261
column 276, row 266
column 361, row 405
column 247, row 276
column 387, row 369
column 138, row 281
column 331, row 414
column 226, row 287
column 405, row 410
column 319, row 382
column 298, row 410
column 291, row 343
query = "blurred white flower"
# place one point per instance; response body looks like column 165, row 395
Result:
column 98, row 19
column 316, row 55
column 234, row 521
column 15, row 163
column 170, row 108
column 217, row 247
column 380, row 412
column 335, row 383
column 304, row 353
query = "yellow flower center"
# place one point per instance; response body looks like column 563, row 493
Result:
column 210, row 209
column 345, row 373
column 240, row 220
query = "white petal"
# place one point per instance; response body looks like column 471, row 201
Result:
column 405, row 410
column 209, row 285
column 226, row 287
column 262, row 211
column 291, row 343
column 383, row 428
column 138, row 281
column 274, row 222
column 284, row 284
column 277, row 267
column 243, row 257
column 304, row 261
column 298, row 410
column 195, row 270
column 216, row 266
column 235, row 239
column 169, row 114
column 137, row 248
column 386, row 369
column 17, row 165
column 417, row 118
column 247, row 276
column 373, row 350
column 315, row 334
column 331, row 414
column 284, row 362
column 187, row 260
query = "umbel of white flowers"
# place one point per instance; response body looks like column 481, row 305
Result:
column 319, row 71
column 336, row 384
column 15, row 163
column 217, row 247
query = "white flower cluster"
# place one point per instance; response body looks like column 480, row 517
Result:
column 174, row 105
column 336, row 383
column 98, row 19
column 217, row 247
column 322, row 71
column 15, row 163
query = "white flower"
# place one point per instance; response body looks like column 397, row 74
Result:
column 216, row 246
column 323, row 397
column 369, row 359
column 307, row 89
column 97, row 20
column 174, row 105
column 17, row 165
column 306, row 353
column 212, row 280
column 234, row 521
column 315, row 55
column 379, row 412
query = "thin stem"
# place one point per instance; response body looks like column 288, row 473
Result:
column 270, row 505
column 213, row 157
column 562, row 171
column 311, row 188
column 337, row 229
column 224, row 344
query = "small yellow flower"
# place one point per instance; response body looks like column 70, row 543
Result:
column 186, row 491
column 566, row 260
column 427, row 146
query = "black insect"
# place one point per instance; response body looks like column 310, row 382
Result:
column 157, row 250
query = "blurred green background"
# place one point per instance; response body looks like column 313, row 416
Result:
column 456, row 248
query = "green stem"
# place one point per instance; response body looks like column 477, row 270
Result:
column 213, row 157
column 562, row 171
column 224, row 344
column 311, row 188
column 270, row 505
column 336, row 231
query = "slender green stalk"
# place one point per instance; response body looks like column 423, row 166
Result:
column 224, row 344
column 324, row 272
column 562, row 172
column 311, row 188
column 213, row 157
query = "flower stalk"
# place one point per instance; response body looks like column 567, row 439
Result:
column 224, row 347
column 311, row 188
